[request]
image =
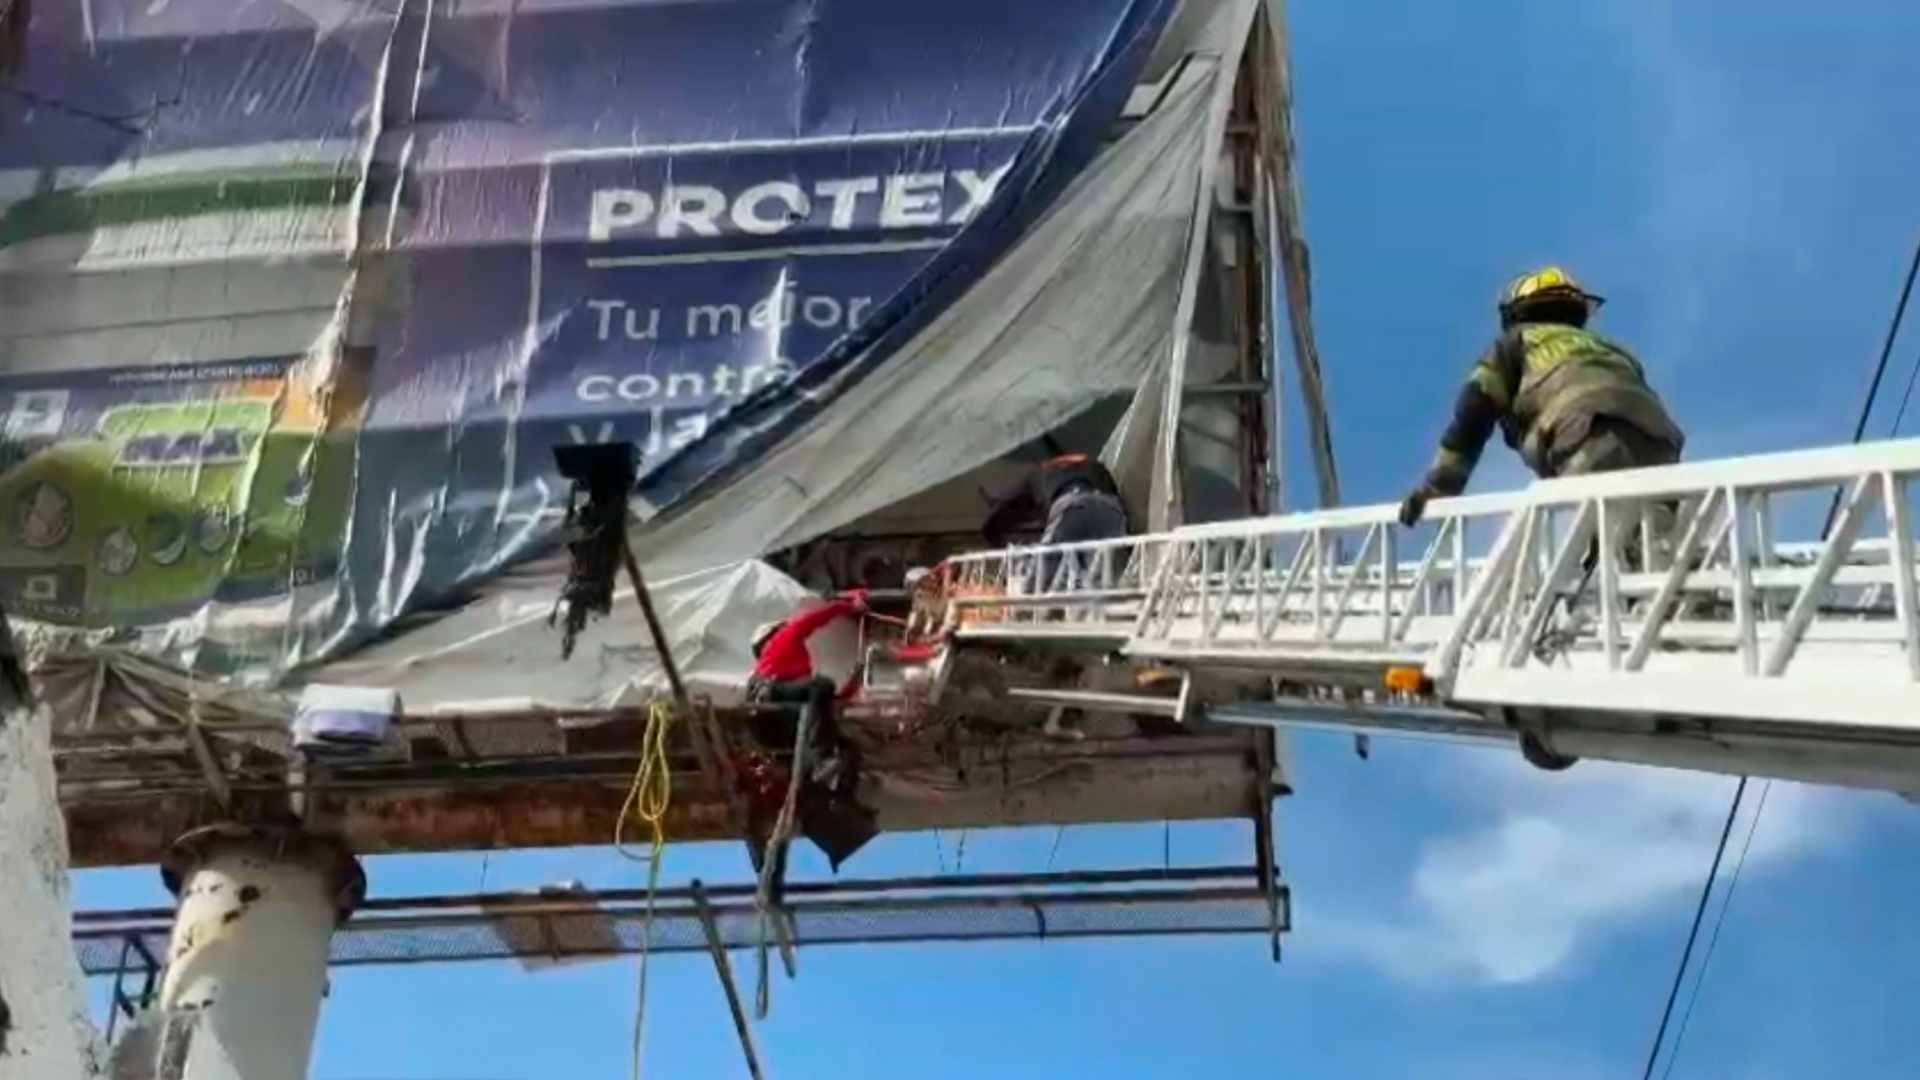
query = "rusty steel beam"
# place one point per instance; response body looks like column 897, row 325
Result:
column 1208, row 776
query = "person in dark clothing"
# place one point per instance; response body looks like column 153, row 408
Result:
column 1075, row 495
column 1571, row 401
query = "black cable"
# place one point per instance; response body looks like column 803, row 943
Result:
column 1706, row 890
column 1905, row 397
column 1886, row 349
column 1859, row 430
column 1706, row 958
column 1686, row 954
column 1879, row 371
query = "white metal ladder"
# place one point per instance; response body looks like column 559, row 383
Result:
column 1625, row 606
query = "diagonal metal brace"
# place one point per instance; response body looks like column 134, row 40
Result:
column 725, row 971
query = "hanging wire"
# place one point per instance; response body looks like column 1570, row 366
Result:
column 1906, row 396
column 1706, row 958
column 1859, row 431
column 1879, row 371
column 1686, row 954
column 1886, row 349
column 1059, row 833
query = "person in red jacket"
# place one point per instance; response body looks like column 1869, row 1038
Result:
column 784, row 674
column 781, row 657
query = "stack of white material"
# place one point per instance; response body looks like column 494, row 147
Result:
column 337, row 720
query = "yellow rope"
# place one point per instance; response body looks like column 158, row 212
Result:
column 648, row 799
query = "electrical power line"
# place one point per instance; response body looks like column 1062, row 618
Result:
column 1733, row 810
column 1720, row 920
column 1905, row 396
column 1686, row 954
column 1886, row 349
column 1879, row 371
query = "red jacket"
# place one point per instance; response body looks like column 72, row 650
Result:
column 784, row 658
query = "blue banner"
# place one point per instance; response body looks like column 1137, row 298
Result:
column 686, row 225
column 707, row 274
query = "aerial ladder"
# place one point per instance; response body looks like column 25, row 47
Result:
column 1751, row 616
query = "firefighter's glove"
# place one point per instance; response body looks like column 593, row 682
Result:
column 1414, row 506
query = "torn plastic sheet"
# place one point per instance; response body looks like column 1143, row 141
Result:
column 1082, row 308
column 294, row 302
column 502, row 654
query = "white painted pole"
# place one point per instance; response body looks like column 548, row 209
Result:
column 249, row 949
column 44, row 1032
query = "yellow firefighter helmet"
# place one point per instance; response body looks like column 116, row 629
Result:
column 1547, row 285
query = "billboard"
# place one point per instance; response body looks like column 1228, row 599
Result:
column 135, row 495
column 296, row 297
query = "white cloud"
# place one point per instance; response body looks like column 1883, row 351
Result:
column 1560, row 861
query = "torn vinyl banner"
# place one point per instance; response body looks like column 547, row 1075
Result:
column 296, row 297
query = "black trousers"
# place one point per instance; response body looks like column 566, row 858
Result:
column 829, row 813
column 776, row 731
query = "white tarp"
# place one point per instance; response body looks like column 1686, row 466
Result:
column 1083, row 307
column 500, row 652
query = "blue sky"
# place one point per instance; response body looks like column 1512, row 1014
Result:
column 1743, row 182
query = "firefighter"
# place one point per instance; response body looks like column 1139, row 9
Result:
column 1570, row 401
column 1073, row 492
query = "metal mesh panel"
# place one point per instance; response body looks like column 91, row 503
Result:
column 100, row 953
column 676, row 927
column 551, row 929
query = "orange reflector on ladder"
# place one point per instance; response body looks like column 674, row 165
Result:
column 1408, row 680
